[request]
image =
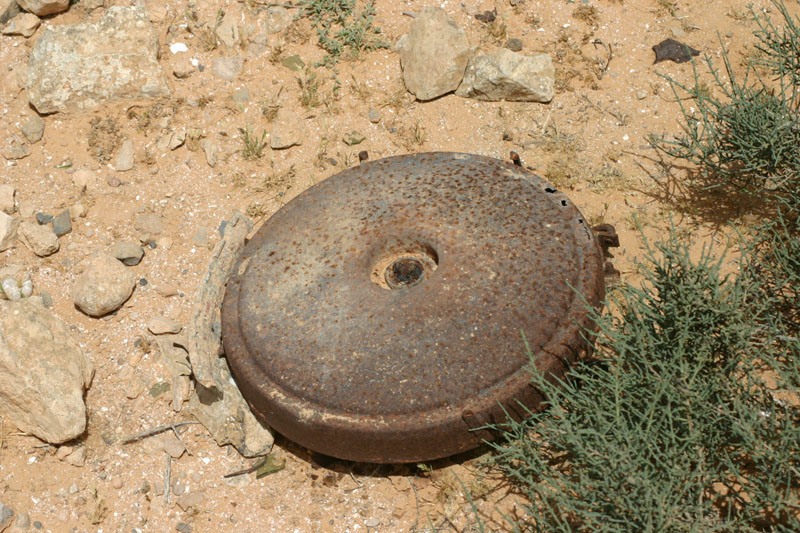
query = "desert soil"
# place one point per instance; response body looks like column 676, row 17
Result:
column 590, row 141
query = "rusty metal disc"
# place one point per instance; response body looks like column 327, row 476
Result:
column 379, row 316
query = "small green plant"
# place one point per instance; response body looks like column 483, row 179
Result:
column 666, row 7
column 586, row 13
column 309, row 89
column 343, row 31
column 686, row 421
column 253, row 145
column 497, row 31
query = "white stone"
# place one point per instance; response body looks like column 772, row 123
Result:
column 178, row 47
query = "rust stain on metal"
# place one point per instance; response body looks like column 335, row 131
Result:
column 379, row 315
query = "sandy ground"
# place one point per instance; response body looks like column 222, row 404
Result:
column 590, row 141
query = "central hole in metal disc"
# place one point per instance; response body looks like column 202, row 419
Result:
column 405, row 272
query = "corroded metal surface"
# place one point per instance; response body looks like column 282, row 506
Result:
column 379, row 316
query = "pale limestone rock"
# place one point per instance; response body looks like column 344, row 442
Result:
column 8, row 231
column 102, row 286
column 228, row 30
column 8, row 10
column 433, row 54
column 85, row 65
column 507, row 75
column 84, row 179
column 288, row 129
column 161, row 325
column 278, row 19
column 44, row 7
column 125, row 157
column 41, row 240
column 24, row 24
column 43, row 372
column 7, row 202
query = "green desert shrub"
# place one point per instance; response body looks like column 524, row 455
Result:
column 745, row 132
column 687, row 420
column 688, row 416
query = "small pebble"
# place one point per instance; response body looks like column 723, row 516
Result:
column 33, row 129
column 183, row 527
column 374, row 115
column 221, row 228
column 160, row 325
column 77, row 211
column 43, row 218
column 73, row 489
column 129, row 253
column 63, row 452
column 77, row 458
column 641, row 95
column 62, row 223
column 166, row 290
column 47, row 299
column 200, row 238
column 23, row 522
column 6, row 516
column 142, row 282
column 241, row 96
column 113, row 181
column 25, row 209
column 37, row 525
column 117, row 483
column 514, row 44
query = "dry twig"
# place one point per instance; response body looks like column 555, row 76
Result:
column 155, row 431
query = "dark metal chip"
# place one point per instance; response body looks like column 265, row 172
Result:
column 674, row 50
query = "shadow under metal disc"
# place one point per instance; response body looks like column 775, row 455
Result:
column 379, row 316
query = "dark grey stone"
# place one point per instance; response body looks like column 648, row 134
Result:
column 6, row 516
column 62, row 224
column 514, row 44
